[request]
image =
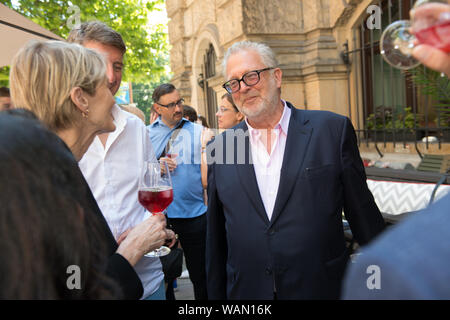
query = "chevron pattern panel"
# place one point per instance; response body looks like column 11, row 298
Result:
column 399, row 197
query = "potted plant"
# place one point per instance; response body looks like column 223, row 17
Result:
column 384, row 124
column 437, row 87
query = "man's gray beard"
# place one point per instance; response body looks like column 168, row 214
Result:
column 266, row 107
column 252, row 113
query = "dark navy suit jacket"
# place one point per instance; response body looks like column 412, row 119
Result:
column 300, row 253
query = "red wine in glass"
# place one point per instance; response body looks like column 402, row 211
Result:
column 156, row 199
column 155, row 193
column 431, row 26
column 437, row 35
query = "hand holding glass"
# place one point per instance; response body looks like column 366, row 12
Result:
column 399, row 38
column 155, row 194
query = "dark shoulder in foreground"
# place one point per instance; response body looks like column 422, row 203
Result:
column 413, row 258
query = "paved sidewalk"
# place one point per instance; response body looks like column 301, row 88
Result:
column 184, row 289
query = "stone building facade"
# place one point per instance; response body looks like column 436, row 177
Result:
column 327, row 50
column 306, row 35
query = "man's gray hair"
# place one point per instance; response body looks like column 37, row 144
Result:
column 265, row 52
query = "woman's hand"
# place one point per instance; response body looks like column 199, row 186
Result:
column 171, row 163
column 143, row 238
column 429, row 56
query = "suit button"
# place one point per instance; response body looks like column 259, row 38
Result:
column 268, row 271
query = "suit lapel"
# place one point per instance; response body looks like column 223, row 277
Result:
column 247, row 177
column 299, row 135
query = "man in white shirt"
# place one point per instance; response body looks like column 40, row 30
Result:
column 112, row 163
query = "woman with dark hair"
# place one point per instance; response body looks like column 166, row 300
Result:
column 228, row 114
column 202, row 120
column 189, row 113
column 46, row 227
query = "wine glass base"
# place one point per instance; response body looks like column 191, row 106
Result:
column 163, row 251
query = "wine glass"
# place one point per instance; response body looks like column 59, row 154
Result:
column 155, row 193
column 399, row 38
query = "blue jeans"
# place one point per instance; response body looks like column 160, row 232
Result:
column 159, row 294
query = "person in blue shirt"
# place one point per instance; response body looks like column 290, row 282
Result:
column 182, row 150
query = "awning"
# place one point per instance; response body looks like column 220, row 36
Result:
column 16, row 31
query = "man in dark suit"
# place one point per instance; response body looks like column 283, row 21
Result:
column 275, row 214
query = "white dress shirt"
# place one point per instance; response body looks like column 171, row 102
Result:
column 112, row 173
column 268, row 166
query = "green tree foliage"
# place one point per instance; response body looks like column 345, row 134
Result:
column 147, row 48
column 4, row 76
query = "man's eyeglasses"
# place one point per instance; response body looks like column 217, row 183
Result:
column 172, row 105
column 250, row 79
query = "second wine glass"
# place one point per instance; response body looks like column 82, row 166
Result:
column 156, row 193
column 400, row 37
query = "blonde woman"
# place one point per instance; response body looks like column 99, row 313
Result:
column 65, row 85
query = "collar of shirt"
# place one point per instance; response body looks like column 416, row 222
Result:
column 158, row 122
column 120, row 118
column 160, row 133
column 268, row 166
column 282, row 126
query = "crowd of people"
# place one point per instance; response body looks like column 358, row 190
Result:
column 258, row 215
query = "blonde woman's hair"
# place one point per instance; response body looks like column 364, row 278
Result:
column 43, row 75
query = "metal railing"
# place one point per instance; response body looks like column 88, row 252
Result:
column 392, row 105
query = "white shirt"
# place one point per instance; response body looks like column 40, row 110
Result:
column 268, row 167
column 112, row 173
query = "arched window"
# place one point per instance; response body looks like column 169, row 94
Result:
column 209, row 71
